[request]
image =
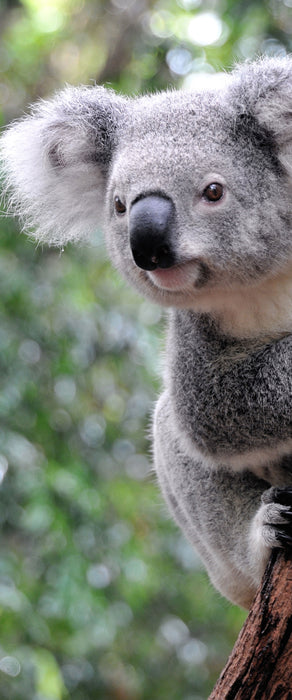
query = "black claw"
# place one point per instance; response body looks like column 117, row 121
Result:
column 285, row 522
column 284, row 538
column 282, row 527
column 283, row 496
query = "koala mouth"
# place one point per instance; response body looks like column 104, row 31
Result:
column 182, row 277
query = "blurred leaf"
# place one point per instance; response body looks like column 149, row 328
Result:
column 49, row 683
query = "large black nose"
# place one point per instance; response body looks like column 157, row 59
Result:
column 151, row 225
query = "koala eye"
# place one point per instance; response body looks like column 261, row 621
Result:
column 119, row 206
column 213, row 192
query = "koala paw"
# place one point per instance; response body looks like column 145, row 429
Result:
column 276, row 517
column 271, row 528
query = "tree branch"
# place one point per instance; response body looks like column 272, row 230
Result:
column 260, row 665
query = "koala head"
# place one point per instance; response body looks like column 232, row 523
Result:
column 192, row 189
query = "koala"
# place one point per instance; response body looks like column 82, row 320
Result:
column 193, row 192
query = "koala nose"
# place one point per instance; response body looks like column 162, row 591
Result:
column 151, row 222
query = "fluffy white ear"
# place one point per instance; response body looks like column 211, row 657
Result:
column 263, row 89
column 55, row 163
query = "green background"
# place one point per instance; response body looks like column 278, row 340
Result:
column 100, row 594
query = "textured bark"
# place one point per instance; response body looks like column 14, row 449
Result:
column 260, row 665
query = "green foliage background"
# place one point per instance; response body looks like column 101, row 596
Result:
column 100, row 594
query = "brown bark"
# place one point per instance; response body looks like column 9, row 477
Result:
column 260, row 665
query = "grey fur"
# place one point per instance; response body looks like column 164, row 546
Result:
column 223, row 425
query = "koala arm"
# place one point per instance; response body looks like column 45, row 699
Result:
column 231, row 396
column 233, row 519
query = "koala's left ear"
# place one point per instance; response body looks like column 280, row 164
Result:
column 264, row 89
column 55, row 162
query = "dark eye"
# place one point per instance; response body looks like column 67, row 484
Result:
column 213, row 192
column 119, row 206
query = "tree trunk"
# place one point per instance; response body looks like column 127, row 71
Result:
column 260, row 665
